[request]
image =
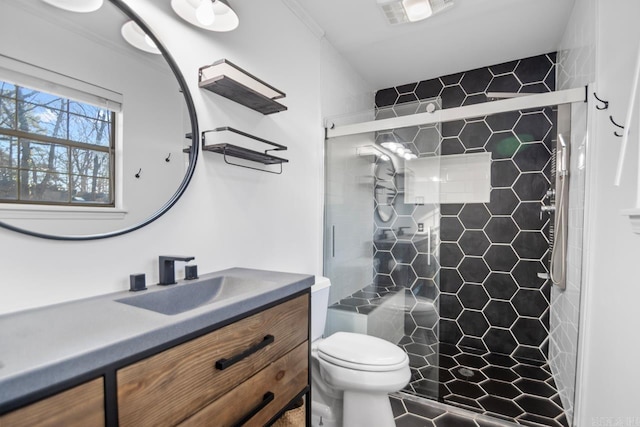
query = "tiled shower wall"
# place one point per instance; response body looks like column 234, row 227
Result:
column 489, row 294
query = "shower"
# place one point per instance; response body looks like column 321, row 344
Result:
column 441, row 246
column 560, row 166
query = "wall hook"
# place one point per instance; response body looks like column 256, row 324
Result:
column 606, row 103
column 138, row 174
column 168, row 159
column 617, row 125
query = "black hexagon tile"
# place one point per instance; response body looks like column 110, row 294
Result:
column 473, row 296
column 474, row 216
column 500, row 313
column 500, row 258
column 474, row 242
column 481, row 271
column 475, row 134
column 503, row 173
column 502, row 145
column 501, row 286
column 502, row 121
column 473, row 269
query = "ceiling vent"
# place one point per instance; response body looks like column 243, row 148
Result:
column 404, row 11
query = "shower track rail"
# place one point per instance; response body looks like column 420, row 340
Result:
column 538, row 100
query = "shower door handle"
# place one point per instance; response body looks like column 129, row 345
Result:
column 333, row 241
column 429, row 245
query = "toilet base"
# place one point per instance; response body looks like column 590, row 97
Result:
column 367, row 409
column 326, row 403
column 324, row 416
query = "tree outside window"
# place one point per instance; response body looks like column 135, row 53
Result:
column 54, row 150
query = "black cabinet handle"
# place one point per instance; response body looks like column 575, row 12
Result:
column 266, row 399
column 225, row 363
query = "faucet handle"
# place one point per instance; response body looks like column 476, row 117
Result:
column 550, row 193
column 164, row 258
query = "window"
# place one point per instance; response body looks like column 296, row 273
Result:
column 54, row 150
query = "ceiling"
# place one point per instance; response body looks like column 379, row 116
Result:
column 471, row 34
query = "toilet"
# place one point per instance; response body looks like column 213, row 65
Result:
column 351, row 374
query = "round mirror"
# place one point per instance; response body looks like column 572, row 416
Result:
column 97, row 137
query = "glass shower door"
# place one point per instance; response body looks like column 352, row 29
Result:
column 382, row 216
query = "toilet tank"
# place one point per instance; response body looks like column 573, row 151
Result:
column 319, row 305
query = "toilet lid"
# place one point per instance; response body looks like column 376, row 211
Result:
column 361, row 352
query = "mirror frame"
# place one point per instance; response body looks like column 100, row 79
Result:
column 193, row 153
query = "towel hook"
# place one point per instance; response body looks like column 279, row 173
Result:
column 617, row 125
column 168, row 159
column 606, row 103
column 138, row 174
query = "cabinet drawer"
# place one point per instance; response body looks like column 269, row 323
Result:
column 283, row 379
column 79, row 406
column 169, row 387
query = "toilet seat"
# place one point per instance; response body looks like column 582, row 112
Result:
column 362, row 353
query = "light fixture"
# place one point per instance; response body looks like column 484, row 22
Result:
column 205, row 14
column 371, row 150
column 392, row 146
column 212, row 15
column 417, row 10
column 405, row 11
column 137, row 38
column 398, row 149
column 81, row 6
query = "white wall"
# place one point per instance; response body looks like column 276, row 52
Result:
column 228, row 216
column 609, row 343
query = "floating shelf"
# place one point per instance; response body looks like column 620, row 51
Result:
column 232, row 150
column 232, row 82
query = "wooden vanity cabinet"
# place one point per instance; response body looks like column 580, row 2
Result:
column 245, row 373
column 79, row 406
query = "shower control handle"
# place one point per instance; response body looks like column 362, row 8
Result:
column 547, row 208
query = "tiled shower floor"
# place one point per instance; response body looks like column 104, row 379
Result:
column 517, row 391
column 487, row 383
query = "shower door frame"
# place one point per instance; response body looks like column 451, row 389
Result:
column 538, row 100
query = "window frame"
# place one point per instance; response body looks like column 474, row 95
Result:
column 32, row 77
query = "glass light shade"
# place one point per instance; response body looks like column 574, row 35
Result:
column 205, row 14
column 225, row 18
column 417, row 10
column 81, row 6
column 137, row 38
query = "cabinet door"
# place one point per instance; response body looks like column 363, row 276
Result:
column 169, row 387
column 80, row 406
column 261, row 397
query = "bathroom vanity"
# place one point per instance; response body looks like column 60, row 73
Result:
column 241, row 357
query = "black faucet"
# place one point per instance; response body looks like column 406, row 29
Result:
column 167, row 268
column 401, row 230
